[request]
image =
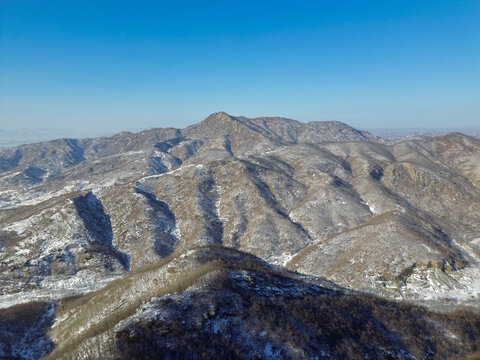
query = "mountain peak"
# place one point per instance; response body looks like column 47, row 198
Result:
column 220, row 116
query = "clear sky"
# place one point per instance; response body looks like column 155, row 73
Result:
column 106, row 66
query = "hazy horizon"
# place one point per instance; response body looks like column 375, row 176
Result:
column 103, row 67
column 12, row 138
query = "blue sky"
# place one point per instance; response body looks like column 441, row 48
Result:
column 105, row 66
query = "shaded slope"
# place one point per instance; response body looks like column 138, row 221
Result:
column 219, row 302
column 23, row 331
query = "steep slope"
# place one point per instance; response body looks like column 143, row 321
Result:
column 215, row 302
column 225, row 135
column 369, row 214
column 402, row 249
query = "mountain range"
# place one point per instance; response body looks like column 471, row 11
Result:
column 241, row 238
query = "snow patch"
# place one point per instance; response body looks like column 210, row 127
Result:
column 371, row 207
column 21, row 251
column 428, row 248
column 175, row 171
column 58, row 289
column 34, row 196
column 435, row 284
column 282, row 259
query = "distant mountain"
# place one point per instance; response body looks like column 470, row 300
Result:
column 12, row 138
column 420, row 133
column 266, row 211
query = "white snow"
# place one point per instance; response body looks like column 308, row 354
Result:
column 22, row 251
column 156, row 176
column 57, row 289
column 428, row 248
column 177, row 233
column 282, row 259
column 36, row 195
column 371, row 207
column 467, row 250
column 217, row 203
column 20, row 227
column 434, row 284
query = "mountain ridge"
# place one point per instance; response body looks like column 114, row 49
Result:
column 397, row 219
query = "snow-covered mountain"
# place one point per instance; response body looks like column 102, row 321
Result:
column 265, row 211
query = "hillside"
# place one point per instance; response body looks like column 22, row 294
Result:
column 214, row 302
column 322, row 218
